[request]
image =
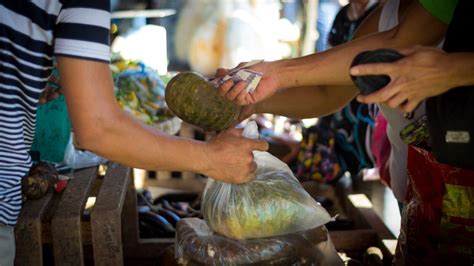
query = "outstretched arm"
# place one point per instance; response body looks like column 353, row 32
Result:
column 331, row 67
column 423, row 72
column 102, row 127
column 307, row 102
column 312, row 101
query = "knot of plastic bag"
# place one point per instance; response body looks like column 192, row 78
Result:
column 250, row 130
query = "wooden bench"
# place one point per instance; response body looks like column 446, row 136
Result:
column 107, row 236
column 57, row 228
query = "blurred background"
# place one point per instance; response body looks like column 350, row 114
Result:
column 169, row 36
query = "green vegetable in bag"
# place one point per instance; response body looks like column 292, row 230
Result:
column 273, row 204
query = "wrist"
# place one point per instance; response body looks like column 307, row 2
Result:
column 260, row 108
column 284, row 73
column 201, row 159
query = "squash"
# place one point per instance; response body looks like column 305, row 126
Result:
column 196, row 100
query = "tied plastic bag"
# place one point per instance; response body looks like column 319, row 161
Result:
column 196, row 244
column 273, row 204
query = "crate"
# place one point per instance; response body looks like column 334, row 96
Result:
column 108, row 235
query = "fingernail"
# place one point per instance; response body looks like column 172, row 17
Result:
column 354, row 71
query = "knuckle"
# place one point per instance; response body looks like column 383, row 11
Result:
column 392, row 104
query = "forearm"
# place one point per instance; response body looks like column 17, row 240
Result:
column 331, row 67
column 146, row 147
column 102, row 127
column 307, row 102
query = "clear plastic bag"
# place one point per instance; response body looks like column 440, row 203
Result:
column 196, row 244
column 273, row 204
column 78, row 159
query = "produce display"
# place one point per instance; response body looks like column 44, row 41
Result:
column 273, row 204
column 140, row 91
column 196, row 244
column 196, row 100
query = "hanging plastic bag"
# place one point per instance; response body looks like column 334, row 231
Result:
column 273, row 204
column 196, row 244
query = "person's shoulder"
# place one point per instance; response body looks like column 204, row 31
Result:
column 441, row 9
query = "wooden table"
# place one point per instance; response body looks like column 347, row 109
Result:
column 110, row 230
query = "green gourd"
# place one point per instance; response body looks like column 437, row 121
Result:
column 196, row 100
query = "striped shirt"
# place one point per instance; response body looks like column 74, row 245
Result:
column 31, row 33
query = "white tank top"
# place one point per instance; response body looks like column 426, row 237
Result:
column 396, row 120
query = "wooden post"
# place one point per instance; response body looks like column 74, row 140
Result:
column 66, row 222
column 106, row 216
column 28, row 232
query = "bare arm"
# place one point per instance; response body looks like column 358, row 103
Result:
column 102, row 127
column 423, row 72
column 307, row 102
column 316, row 101
column 331, row 67
column 417, row 27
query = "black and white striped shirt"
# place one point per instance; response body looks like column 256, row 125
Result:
column 31, row 33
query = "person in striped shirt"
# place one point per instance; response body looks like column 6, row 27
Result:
column 76, row 32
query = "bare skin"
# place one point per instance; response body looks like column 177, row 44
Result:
column 328, row 72
column 102, row 127
column 423, row 72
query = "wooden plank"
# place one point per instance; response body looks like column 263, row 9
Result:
column 361, row 208
column 354, row 239
column 28, row 234
column 106, row 223
column 66, row 222
column 130, row 233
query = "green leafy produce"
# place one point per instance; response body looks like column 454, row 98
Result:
column 195, row 100
column 273, row 204
column 140, row 91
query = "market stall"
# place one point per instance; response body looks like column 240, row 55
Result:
column 97, row 212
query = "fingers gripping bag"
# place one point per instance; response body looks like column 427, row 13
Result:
column 273, row 204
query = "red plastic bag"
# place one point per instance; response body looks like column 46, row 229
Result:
column 438, row 221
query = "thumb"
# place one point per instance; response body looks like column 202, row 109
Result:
column 245, row 112
column 234, row 131
column 221, row 72
column 259, row 145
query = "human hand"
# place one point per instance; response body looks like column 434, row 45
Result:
column 230, row 156
column 236, row 92
column 423, row 72
column 245, row 112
